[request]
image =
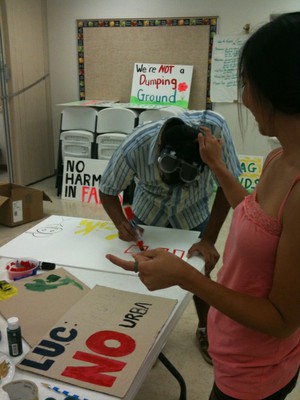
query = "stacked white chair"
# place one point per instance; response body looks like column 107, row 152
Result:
column 79, row 118
column 155, row 114
column 77, row 137
column 113, row 125
column 77, row 143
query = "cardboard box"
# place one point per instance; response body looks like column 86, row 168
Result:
column 20, row 204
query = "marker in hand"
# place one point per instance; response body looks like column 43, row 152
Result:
column 130, row 216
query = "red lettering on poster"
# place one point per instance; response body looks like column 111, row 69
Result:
column 178, row 253
column 133, row 249
column 98, row 342
column 103, row 342
column 167, row 69
column 90, row 194
column 94, row 374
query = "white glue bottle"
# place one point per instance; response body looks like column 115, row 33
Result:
column 14, row 337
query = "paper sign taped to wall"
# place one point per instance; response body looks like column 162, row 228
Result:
column 224, row 67
column 102, row 341
column 164, row 84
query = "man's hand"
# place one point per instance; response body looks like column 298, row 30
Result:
column 127, row 232
column 208, row 252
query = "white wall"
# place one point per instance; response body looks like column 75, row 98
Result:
column 3, row 160
column 233, row 15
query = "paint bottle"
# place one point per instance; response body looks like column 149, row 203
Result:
column 14, row 337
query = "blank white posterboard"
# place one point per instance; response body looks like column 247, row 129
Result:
column 83, row 243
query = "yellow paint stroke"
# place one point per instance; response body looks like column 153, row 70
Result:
column 7, row 290
column 87, row 226
column 112, row 237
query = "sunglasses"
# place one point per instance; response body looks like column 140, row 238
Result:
column 169, row 163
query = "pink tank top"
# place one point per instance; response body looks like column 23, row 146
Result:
column 250, row 365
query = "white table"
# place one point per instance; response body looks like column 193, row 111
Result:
column 117, row 281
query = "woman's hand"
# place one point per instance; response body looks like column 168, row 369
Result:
column 157, row 269
column 210, row 147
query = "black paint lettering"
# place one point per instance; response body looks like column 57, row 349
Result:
column 54, row 334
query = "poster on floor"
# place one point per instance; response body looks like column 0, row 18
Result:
column 81, row 179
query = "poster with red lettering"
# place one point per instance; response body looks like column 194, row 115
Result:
column 161, row 84
column 81, row 179
column 102, row 341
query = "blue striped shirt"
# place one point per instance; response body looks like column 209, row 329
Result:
column 156, row 203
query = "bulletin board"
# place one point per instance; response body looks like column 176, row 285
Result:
column 108, row 50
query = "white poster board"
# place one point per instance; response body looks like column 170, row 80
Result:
column 167, row 85
column 224, row 67
column 83, row 243
column 81, row 179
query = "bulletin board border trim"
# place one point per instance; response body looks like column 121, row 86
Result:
column 212, row 22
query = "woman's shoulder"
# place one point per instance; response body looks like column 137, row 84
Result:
column 273, row 154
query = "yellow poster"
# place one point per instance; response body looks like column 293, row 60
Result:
column 251, row 171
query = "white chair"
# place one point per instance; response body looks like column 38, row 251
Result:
column 149, row 116
column 116, row 120
column 107, row 144
column 156, row 114
column 113, row 125
column 82, row 118
column 77, row 137
column 76, row 143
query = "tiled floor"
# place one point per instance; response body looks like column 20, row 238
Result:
column 181, row 349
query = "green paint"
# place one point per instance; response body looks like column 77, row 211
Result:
column 52, row 282
column 179, row 103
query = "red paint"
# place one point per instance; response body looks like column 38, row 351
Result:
column 130, row 216
column 133, row 249
column 90, row 194
column 97, row 374
column 181, row 253
column 97, row 343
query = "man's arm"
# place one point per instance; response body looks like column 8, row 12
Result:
column 206, row 246
column 219, row 212
column 114, row 180
column 112, row 206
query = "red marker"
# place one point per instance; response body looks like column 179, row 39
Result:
column 130, row 216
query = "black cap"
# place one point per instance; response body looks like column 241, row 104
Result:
column 182, row 139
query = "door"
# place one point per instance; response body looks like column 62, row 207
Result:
column 27, row 97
